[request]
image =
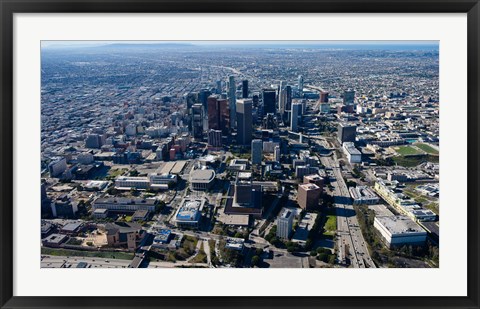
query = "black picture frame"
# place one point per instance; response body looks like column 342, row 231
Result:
column 10, row 7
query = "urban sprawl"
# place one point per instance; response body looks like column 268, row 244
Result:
column 214, row 156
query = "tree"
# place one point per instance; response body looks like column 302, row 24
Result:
column 112, row 190
column 159, row 207
column 255, row 260
column 323, row 257
column 351, row 183
column 134, row 173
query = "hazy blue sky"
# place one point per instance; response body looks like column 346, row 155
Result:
column 60, row 44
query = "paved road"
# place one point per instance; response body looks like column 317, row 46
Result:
column 49, row 261
column 350, row 239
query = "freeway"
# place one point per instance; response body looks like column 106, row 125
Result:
column 50, row 261
column 350, row 240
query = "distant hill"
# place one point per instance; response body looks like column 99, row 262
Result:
column 144, row 45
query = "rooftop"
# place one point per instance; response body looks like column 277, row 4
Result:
column 190, row 210
column 400, row 225
column 125, row 201
column 202, row 175
column 361, row 192
column 309, row 186
column 286, row 214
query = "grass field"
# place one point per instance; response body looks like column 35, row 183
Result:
column 330, row 225
column 407, row 151
column 427, row 148
column 99, row 254
column 201, row 257
column 116, row 172
column 414, row 161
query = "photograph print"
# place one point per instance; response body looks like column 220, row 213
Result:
column 240, row 154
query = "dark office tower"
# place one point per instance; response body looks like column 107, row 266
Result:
column 269, row 101
column 244, row 121
column 218, row 87
column 215, row 138
column 245, row 89
column 323, row 97
column 288, row 94
column 295, row 116
column 224, row 115
column 346, row 133
column 197, row 121
column 270, row 122
column 281, row 97
column 203, row 97
column 349, row 97
column 232, row 89
column 93, row 141
column 255, row 99
column 213, row 113
column 190, row 99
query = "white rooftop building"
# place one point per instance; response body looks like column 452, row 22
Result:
column 400, row 230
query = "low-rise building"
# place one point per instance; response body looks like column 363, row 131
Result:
column 127, row 234
column 238, row 165
column 397, row 231
column 234, row 243
column 100, row 213
column 188, row 215
column 352, row 153
column 127, row 183
column 54, row 240
column 140, row 215
column 202, row 179
column 64, row 207
column 72, row 228
column 304, row 227
column 162, row 238
column 363, row 195
column 123, row 204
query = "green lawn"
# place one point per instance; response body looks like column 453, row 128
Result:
column 116, row 172
column 427, row 148
column 99, row 254
column 330, row 225
column 414, row 161
column 201, row 257
column 408, row 162
column 406, row 150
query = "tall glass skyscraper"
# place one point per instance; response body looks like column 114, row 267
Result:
column 232, row 89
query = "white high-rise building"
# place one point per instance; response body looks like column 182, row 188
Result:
column 296, row 112
column 300, row 84
column 281, row 98
column 257, row 148
column 285, row 224
column 276, row 153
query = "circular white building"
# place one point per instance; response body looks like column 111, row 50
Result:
column 202, row 179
